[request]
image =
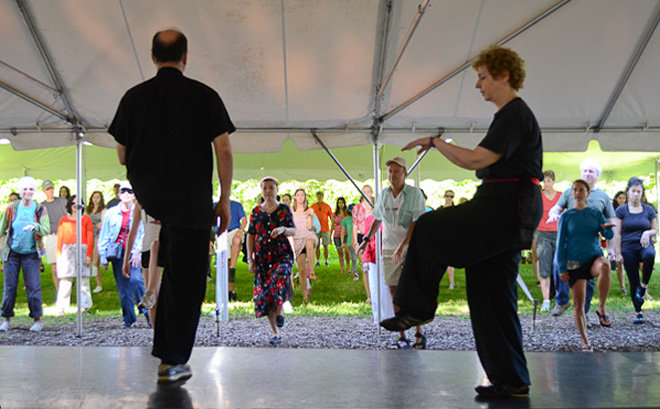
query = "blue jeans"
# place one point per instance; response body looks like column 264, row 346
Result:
column 561, row 291
column 130, row 290
column 32, row 278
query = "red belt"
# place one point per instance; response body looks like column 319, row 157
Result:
column 534, row 180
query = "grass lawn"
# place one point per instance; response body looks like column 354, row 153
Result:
column 333, row 294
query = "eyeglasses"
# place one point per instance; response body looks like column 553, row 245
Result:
column 449, row 196
column 129, row 191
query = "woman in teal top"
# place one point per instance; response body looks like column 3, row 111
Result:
column 25, row 222
column 579, row 256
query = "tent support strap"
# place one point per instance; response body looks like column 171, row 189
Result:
column 325, row 148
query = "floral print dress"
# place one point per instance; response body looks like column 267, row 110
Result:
column 273, row 258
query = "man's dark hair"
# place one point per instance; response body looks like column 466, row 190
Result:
column 169, row 51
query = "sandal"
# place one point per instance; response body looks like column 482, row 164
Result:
column 639, row 319
column 587, row 348
column 421, row 344
column 604, row 320
column 402, row 343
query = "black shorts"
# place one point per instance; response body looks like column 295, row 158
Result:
column 581, row 273
column 146, row 256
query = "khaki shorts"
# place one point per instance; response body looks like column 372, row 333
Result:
column 392, row 272
column 230, row 240
column 324, row 238
column 51, row 248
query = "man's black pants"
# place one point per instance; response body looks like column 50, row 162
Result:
column 184, row 253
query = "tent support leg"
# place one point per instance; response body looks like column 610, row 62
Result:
column 325, row 148
column 79, row 135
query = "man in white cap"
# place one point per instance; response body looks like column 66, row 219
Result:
column 56, row 207
column 397, row 209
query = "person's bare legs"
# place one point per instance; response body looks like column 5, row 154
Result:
column 365, row 280
column 619, row 275
column 302, row 275
column 450, row 274
column 154, row 273
column 325, row 253
column 309, row 248
column 578, row 292
column 340, row 253
column 601, row 269
column 56, row 281
column 236, row 242
column 545, row 288
column 272, row 316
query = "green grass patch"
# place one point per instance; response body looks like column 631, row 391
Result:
column 333, row 294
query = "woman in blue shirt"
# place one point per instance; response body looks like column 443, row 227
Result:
column 579, row 256
column 636, row 228
column 25, row 222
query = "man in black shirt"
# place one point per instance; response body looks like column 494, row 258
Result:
column 167, row 129
column 487, row 232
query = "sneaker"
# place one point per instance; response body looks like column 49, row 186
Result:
column 274, row 341
column 502, row 391
column 318, row 264
column 545, row 306
column 639, row 320
column 98, row 289
column 356, row 277
column 173, row 373
column 326, row 263
column 37, row 326
column 559, row 309
column 126, row 325
column 624, row 291
column 452, row 286
column 5, row 325
column 148, row 300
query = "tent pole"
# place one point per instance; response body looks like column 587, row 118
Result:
column 79, row 135
column 325, row 148
column 657, row 202
column 379, row 253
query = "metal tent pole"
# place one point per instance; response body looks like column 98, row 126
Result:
column 379, row 253
column 79, row 135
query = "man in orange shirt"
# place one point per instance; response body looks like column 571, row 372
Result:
column 324, row 214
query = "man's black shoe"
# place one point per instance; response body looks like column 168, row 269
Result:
column 502, row 391
column 402, row 321
column 232, row 296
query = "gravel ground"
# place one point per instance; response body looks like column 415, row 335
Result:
column 444, row 333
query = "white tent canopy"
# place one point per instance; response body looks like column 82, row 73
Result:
column 286, row 67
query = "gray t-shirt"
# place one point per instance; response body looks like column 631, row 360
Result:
column 56, row 210
column 598, row 200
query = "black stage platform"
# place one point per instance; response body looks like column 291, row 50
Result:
column 100, row 377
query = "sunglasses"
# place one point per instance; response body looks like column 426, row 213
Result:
column 130, row 191
column 449, row 196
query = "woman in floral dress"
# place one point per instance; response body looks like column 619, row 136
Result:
column 270, row 256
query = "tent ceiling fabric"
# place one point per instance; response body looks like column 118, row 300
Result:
column 286, row 67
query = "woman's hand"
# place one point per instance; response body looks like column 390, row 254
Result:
column 87, row 261
column 619, row 259
column 398, row 253
column 136, row 259
column 126, row 268
column 277, row 231
column 423, row 143
column 362, row 247
column 564, row 276
column 645, row 240
column 607, row 225
column 252, row 266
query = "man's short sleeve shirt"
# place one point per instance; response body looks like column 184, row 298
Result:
column 167, row 125
column 237, row 213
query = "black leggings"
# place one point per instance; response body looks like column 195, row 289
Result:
column 632, row 256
